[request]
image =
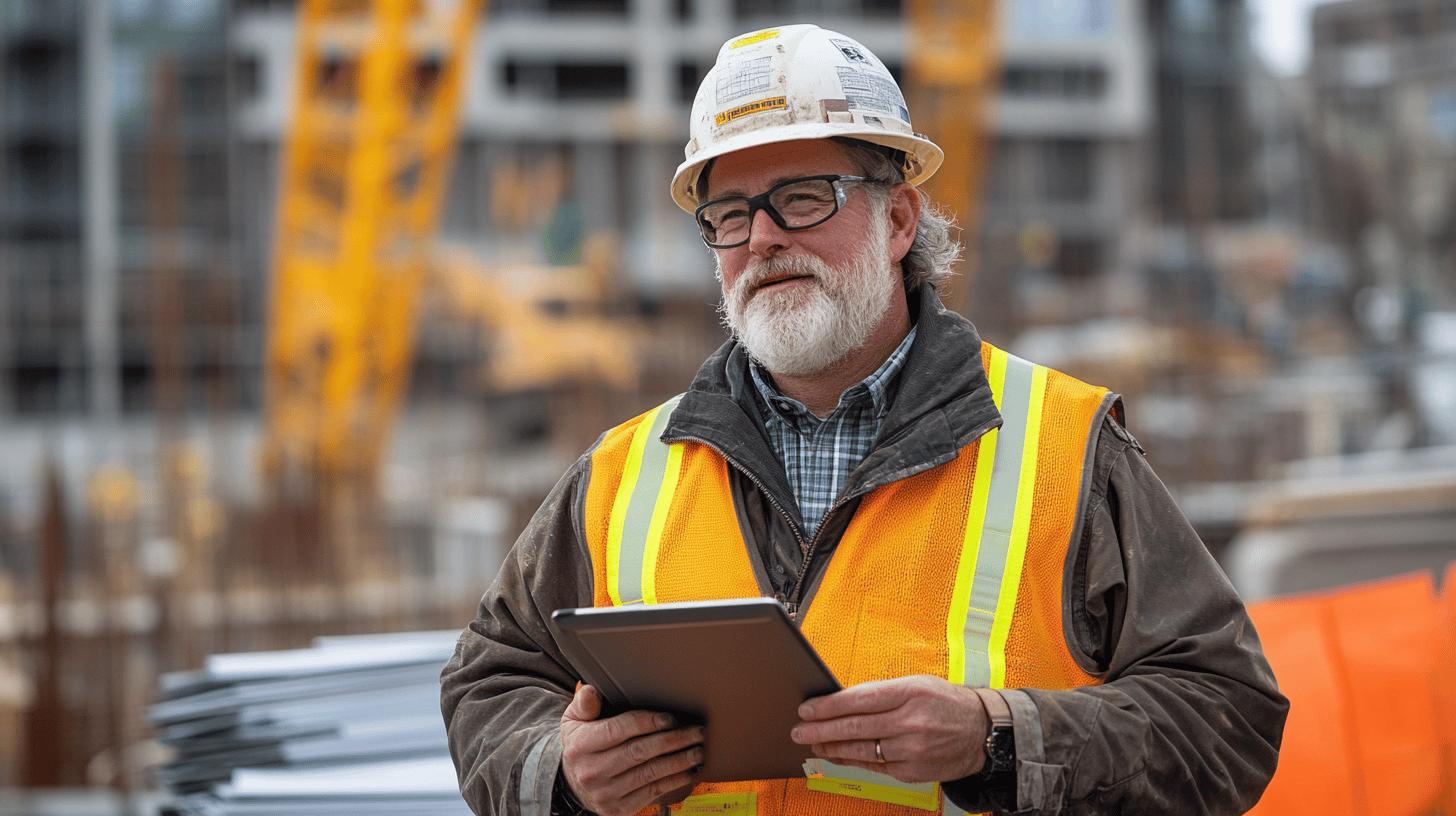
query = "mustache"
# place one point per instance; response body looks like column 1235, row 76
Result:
column 734, row 303
column 760, row 271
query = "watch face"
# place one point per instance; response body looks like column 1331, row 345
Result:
column 1001, row 749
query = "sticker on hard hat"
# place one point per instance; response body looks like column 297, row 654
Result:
column 750, row 39
column 772, row 103
column 852, row 51
column 867, row 90
column 745, row 78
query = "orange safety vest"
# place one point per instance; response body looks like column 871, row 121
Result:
column 955, row 571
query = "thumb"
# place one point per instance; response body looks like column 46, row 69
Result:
column 585, row 706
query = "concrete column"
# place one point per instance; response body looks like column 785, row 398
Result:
column 652, row 92
column 595, row 176
column 99, row 218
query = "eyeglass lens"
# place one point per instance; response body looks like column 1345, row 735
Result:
column 799, row 204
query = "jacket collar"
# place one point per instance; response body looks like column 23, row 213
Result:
column 944, row 402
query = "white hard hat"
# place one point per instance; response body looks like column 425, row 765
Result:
column 797, row 82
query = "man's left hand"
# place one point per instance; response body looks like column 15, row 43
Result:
column 929, row 729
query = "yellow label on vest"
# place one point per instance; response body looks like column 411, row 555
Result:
column 890, row 794
column 731, row 804
column 876, row 787
column 750, row 39
column 750, row 108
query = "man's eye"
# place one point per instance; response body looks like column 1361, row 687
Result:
column 803, row 198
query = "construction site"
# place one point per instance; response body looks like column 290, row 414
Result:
column 305, row 305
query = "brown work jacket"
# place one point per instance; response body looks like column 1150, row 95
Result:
column 1188, row 717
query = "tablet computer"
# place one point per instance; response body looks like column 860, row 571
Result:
column 739, row 667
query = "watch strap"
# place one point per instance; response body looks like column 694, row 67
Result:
column 563, row 801
column 998, row 711
column 1000, row 745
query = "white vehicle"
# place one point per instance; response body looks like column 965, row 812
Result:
column 1361, row 518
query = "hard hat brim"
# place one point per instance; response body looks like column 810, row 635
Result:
column 923, row 157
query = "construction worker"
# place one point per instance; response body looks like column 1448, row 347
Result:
column 972, row 542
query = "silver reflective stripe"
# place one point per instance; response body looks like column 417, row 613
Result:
column 533, row 801
column 1000, row 516
column 638, row 520
column 1016, row 399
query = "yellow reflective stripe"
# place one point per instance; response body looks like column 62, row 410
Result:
column 997, row 375
column 955, row 624
column 1020, row 531
column 659, row 518
column 624, row 498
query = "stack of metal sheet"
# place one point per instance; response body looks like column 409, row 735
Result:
column 349, row 726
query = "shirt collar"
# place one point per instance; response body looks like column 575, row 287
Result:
column 876, row 387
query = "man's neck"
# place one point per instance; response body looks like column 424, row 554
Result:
column 820, row 392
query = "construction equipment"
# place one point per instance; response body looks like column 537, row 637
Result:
column 951, row 67
column 365, row 167
column 547, row 321
column 367, row 159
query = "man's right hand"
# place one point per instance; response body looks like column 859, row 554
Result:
column 619, row 765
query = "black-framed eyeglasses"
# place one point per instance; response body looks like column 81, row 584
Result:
column 793, row 204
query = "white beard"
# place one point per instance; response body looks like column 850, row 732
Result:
column 817, row 323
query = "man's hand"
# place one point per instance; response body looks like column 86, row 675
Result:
column 929, row 730
column 625, row 763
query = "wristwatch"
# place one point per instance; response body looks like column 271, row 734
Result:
column 1000, row 738
column 563, row 801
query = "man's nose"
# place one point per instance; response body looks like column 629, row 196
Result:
column 766, row 238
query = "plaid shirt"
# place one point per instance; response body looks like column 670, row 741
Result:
column 819, row 454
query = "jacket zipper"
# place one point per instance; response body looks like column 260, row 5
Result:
column 824, row 522
column 791, row 605
column 798, row 589
column 814, row 542
column 792, row 602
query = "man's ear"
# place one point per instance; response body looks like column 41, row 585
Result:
column 904, row 212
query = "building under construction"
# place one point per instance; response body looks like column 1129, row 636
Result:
column 199, row 457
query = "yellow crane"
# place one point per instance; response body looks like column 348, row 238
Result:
column 367, row 158
column 365, row 166
column 951, row 68
column 366, row 161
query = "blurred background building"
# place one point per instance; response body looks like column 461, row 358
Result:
column 1264, row 264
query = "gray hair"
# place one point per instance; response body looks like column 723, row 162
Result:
column 934, row 251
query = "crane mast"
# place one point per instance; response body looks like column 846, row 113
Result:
column 952, row 64
column 366, row 162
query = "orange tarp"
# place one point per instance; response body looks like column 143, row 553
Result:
column 1446, row 685
column 1318, row 743
column 1364, row 669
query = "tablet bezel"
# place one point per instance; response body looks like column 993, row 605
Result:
column 736, row 624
